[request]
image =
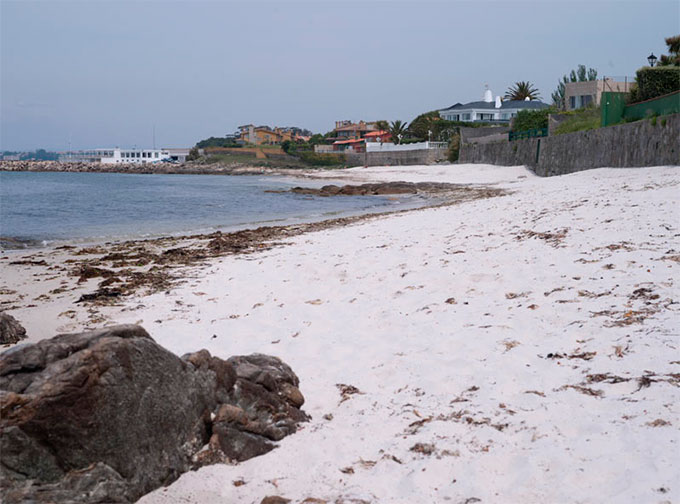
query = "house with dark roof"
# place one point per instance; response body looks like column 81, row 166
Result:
column 489, row 110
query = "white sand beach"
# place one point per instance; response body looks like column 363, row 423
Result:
column 515, row 349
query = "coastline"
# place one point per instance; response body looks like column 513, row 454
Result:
column 157, row 168
column 529, row 335
column 77, row 282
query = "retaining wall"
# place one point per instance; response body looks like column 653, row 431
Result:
column 470, row 134
column 398, row 158
column 643, row 143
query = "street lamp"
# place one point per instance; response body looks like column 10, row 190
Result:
column 652, row 59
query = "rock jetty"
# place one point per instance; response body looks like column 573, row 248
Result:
column 379, row 188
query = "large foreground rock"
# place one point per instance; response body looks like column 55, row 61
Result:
column 109, row 415
column 11, row 331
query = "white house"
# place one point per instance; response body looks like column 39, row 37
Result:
column 489, row 110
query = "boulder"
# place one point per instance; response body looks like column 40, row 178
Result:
column 11, row 331
column 109, row 415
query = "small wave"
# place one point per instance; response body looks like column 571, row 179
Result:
column 19, row 243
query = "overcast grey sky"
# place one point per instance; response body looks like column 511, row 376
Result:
column 104, row 73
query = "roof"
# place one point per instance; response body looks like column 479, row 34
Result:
column 355, row 127
column 509, row 104
column 377, row 133
column 357, row 140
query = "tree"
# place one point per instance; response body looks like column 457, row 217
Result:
column 397, row 130
column 425, row 125
column 521, row 91
column 382, row 125
column 316, row 139
column 578, row 75
column 287, row 146
column 673, row 58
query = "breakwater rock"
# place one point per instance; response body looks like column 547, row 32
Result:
column 148, row 168
column 378, row 188
column 109, row 415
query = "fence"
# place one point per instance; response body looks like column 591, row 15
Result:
column 532, row 133
column 390, row 147
column 614, row 108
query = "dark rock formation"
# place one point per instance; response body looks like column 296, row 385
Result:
column 11, row 331
column 377, row 189
column 109, row 415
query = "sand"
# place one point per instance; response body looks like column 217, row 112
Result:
column 520, row 348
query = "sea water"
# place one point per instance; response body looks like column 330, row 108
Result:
column 38, row 209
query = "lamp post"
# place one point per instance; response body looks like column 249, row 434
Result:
column 652, row 59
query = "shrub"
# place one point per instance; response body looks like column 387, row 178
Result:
column 454, row 147
column 532, row 119
column 580, row 120
column 655, row 81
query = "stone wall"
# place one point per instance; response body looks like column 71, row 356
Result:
column 651, row 142
column 475, row 135
column 414, row 157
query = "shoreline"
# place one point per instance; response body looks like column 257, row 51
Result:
column 413, row 196
column 102, row 274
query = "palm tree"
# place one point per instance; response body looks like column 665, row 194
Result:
column 521, row 91
column 397, row 130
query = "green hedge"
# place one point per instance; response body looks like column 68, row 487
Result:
column 655, row 81
column 532, row 119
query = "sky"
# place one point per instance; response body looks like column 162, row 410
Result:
column 109, row 73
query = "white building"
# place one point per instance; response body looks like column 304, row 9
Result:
column 489, row 110
column 139, row 156
column 113, row 156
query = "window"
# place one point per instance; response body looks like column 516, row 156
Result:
column 155, row 154
column 586, row 100
column 572, row 102
column 466, row 117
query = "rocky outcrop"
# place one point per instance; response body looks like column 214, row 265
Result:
column 11, row 331
column 109, row 415
column 377, row 189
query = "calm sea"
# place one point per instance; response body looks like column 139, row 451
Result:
column 39, row 209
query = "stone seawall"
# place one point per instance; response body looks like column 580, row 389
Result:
column 650, row 142
column 398, row 158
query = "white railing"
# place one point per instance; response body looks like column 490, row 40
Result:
column 390, row 147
